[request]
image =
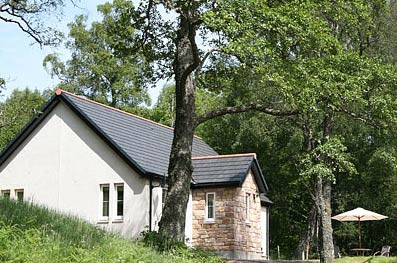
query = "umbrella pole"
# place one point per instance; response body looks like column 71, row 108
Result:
column 359, row 233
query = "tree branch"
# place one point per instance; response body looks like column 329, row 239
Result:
column 29, row 31
column 243, row 108
column 364, row 120
column 205, row 57
column 195, row 53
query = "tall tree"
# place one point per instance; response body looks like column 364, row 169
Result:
column 276, row 44
column 16, row 111
column 104, row 63
column 29, row 17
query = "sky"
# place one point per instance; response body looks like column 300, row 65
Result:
column 21, row 61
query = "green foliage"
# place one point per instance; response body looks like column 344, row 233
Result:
column 161, row 242
column 164, row 109
column 30, row 15
column 71, row 230
column 32, row 234
column 105, row 63
column 16, row 111
column 327, row 160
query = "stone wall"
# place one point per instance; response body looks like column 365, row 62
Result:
column 231, row 234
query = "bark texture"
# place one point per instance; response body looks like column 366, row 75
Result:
column 323, row 203
column 323, row 187
column 322, row 200
column 172, row 223
column 304, row 246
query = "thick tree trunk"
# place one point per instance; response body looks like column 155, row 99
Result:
column 304, row 245
column 172, row 223
column 323, row 203
column 323, row 187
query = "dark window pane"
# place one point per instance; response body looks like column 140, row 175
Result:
column 120, row 193
column 105, row 201
column 120, row 200
column 105, row 209
column 20, row 195
column 210, row 200
column 210, row 212
column 120, row 208
column 105, row 191
column 210, row 206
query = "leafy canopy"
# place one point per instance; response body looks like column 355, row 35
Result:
column 104, row 65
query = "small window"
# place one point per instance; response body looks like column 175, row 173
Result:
column 210, row 207
column 19, row 194
column 6, row 193
column 119, row 201
column 105, row 202
column 247, row 207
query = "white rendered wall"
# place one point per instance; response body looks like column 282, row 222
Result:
column 62, row 165
column 264, row 231
column 188, row 221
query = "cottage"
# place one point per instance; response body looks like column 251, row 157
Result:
column 108, row 167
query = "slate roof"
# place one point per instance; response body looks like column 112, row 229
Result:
column 145, row 145
column 211, row 171
column 146, row 142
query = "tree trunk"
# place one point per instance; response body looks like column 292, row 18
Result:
column 323, row 188
column 323, row 203
column 172, row 223
column 303, row 249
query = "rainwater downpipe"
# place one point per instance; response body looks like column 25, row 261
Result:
column 150, row 201
column 151, row 186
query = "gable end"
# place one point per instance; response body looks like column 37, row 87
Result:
column 46, row 110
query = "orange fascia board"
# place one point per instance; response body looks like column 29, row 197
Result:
column 224, row 156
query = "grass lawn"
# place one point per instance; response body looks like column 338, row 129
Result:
column 31, row 234
column 369, row 259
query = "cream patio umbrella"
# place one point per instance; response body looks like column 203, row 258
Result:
column 359, row 214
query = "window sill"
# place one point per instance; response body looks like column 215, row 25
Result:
column 103, row 222
column 209, row 221
column 118, row 221
column 248, row 223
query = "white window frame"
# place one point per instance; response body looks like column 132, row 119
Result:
column 115, row 216
column 6, row 191
column 247, row 207
column 101, row 217
column 17, row 191
column 210, row 220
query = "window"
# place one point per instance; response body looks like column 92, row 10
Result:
column 19, row 194
column 6, row 193
column 119, row 201
column 210, row 207
column 105, row 202
column 247, row 207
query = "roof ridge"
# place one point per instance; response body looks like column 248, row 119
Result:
column 59, row 91
column 224, row 156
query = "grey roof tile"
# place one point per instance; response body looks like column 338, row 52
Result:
column 221, row 169
column 145, row 142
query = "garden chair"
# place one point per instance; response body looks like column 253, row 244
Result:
column 385, row 252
